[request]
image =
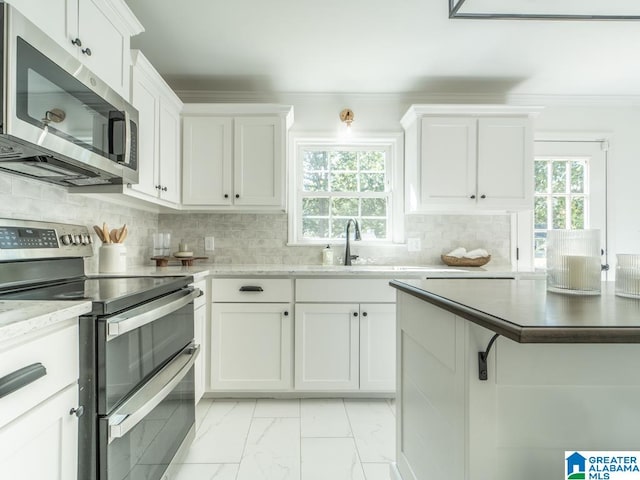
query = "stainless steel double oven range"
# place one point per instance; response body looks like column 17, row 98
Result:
column 136, row 384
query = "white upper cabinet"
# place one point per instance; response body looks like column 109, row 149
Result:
column 234, row 156
column 468, row 158
column 97, row 32
column 159, row 145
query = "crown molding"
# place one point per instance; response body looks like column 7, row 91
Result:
column 204, row 96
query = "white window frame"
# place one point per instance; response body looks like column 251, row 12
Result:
column 522, row 254
column 393, row 143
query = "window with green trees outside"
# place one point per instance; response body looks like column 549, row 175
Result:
column 561, row 198
column 339, row 183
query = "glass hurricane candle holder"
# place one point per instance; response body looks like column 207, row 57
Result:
column 628, row 275
column 573, row 262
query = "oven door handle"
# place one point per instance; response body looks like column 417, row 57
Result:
column 149, row 312
column 154, row 391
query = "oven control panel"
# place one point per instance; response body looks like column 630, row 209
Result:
column 14, row 237
column 27, row 239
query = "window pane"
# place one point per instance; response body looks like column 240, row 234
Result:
column 339, row 226
column 343, row 161
column 372, row 182
column 559, row 212
column 577, row 213
column 315, row 161
column 374, row 207
column 540, row 213
column 559, row 177
column 540, row 244
column 577, row 177
column 315, row 227
column 372, row 161
column 315, row 182
column 541, row 169
column 373, row 229
column 315, row 207
column 344, row 207
column 344, row 182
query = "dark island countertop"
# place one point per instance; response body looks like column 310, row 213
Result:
column 525, row 312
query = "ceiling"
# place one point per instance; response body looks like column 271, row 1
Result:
column 381, row 46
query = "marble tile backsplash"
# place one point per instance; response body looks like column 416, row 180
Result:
column 27, row 199
column 262, row 239
column 244, row 238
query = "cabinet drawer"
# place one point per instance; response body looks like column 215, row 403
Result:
column 375, row 290
column 57, row 352
column 264, row 290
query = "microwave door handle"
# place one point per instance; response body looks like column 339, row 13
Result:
column 147, row 313
column 149, row 397
column 127, row 138
column 114, row 116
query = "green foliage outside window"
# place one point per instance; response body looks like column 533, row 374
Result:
column 342, row 184
column 561, row 197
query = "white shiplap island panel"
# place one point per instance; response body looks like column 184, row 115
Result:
column 561, row 376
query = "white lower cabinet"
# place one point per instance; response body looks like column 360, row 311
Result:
column 43, row 443
column 251, row 346
column 38, row 425
column 200, row 309
column 326, row 344
column 345, row 347
column 378, row 346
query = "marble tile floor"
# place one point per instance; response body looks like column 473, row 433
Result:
column 305, row 439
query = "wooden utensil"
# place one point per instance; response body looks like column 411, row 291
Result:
column 99, row 232
column 105, row 232
column 123, row 233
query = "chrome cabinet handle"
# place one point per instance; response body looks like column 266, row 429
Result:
column 147, row 313
column 21, row 378
column 134, row 410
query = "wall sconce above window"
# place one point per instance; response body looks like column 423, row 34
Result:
column 347, row 117
column 545, row 9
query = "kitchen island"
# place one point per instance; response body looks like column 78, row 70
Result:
column 561, row 375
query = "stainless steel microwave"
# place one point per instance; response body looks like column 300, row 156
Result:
column 60, row 122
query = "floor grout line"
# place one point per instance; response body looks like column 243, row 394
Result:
column 353, row 435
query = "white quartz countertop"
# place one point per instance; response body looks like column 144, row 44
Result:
column 19, row 317
column 391, row 271
column 205, row 270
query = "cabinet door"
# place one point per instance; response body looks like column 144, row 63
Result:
column 42, row 443
column 207, row 161
column 258, row 161
column 505, row 163
column 145, row 100
column 378, row 346
column 251, row 346
column 108, row 46
column 326, row 346
column 169, row 152
column 57, row 18
column 447, row 161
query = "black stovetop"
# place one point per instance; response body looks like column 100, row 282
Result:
column 108, row 294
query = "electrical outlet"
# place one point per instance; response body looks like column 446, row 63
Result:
column 413, row 245
column 208, row 244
